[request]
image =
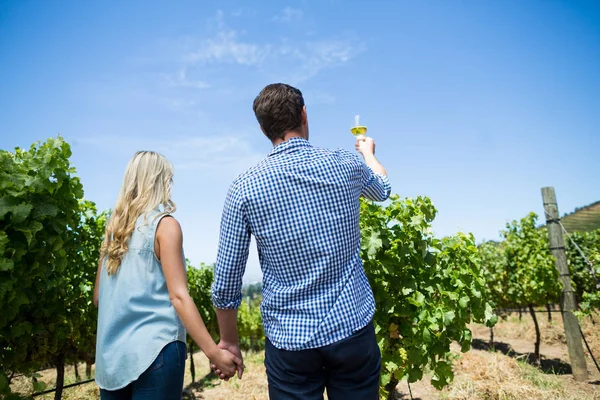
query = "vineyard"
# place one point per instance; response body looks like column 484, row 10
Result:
column 429, row 291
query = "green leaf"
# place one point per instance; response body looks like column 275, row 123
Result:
column 385, row 378
column 6, row 264
column 443, row 375
column 465, row 346
column 47, row 210
column 414, row 355
column 492, row 321
column 489, row 312
column 374, row 243
column 21, row 329
column 415, row 375
column 426, row 336
column 6, row 205
column 467, row 334
column 31, row 230
column 78, row 191
column 466, row 340
column 463, row 302
column 417, row 299
column 391, row 366
column 20, row 299
column 430, row 258
column 84, row 288
column 416, row 221
column 21, row 212
column 3, row 241
column 39, row 386
column 449, row 317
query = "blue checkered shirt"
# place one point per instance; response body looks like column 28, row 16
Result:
column 302, row 205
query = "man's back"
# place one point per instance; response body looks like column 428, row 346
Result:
column 302, row 206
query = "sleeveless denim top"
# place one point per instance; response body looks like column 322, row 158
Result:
column 135, row 316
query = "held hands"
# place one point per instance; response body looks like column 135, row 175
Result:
column 365, row 146
column 231, row 363
column 225, row 364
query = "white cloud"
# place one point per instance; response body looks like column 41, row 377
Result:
column 308, row 59
column 289, row 15
column 293, row 61
column 226, row 47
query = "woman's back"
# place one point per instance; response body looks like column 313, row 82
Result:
column 135, row 316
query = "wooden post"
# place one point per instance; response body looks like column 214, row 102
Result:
column 567, row 298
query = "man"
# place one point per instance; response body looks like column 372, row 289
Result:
column 302, row 206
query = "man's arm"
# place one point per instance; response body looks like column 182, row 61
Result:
column 366, row 147
column 376, row 185
column 228, row 326
column 232, row 255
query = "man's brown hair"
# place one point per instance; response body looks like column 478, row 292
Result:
column 278, row 109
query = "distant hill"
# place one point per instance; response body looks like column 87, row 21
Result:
column 583, row 219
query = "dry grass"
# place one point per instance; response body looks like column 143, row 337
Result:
column 252, row 386
column 551, row 332
column 494, row 376
column 521, row 336
column 84, row 392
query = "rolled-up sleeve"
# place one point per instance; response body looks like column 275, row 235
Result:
column 232, row 254
column 376, row 187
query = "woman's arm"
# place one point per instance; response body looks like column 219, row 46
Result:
column 97, row 284
column 168, row 248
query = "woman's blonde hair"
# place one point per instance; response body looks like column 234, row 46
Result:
column 146, row 185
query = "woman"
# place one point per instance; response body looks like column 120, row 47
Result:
column 141, row 291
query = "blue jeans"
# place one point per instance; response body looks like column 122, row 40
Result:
column 348, row 370
column 163, row 380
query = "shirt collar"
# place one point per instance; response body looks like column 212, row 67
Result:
column 292, row 144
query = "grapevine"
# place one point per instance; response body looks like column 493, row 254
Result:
column 427, row 290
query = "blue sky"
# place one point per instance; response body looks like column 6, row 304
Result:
column 476, row 104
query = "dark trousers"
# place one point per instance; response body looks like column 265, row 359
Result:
column 163, row 380
column 348, row 370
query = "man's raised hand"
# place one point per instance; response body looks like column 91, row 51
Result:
column 365, row 146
